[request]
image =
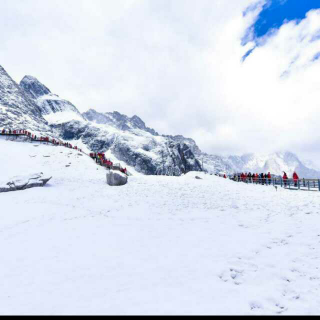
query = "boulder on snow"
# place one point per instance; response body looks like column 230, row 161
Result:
column 198, row 178
column 25, row 182
column 116, row 178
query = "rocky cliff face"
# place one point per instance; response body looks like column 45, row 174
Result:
column 137, row 148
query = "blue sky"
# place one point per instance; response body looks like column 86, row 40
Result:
column 276, row 12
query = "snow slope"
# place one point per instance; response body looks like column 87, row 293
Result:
column 160, row 245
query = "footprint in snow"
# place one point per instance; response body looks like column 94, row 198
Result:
column 255, row 305
column 233, row 275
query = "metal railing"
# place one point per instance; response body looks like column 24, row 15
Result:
column 291, row 184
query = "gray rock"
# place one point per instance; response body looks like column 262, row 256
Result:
column 26, row 182
column 116, row 179
column 198, row 178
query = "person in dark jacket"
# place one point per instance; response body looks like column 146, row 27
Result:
column 285, row 179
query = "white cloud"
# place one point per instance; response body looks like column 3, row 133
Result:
column 175, row 63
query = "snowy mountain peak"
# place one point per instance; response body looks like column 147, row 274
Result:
column 17, row 109
column 34, row 87
column 54, row 109
column 118, row 120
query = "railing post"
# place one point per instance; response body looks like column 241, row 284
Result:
column 281, row 183
column 309, row 185
column 319, row 184
column 299, row 187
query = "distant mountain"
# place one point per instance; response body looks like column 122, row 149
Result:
column 275, row 163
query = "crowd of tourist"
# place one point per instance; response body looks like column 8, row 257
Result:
column 101, row 159
column 263, row 178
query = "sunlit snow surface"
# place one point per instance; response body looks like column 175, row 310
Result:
column 160, row 245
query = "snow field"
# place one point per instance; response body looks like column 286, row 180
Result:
column 159, row 245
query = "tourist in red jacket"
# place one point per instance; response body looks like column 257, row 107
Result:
column 269, row 178
column 295, row 179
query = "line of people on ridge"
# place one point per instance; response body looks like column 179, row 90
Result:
column 263, row 178
column 41, row 139
column 101, row 159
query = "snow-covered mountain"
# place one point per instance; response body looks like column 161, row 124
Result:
column 32, row 106
column 17, row 109
column 147, row 153
column 123, row 138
